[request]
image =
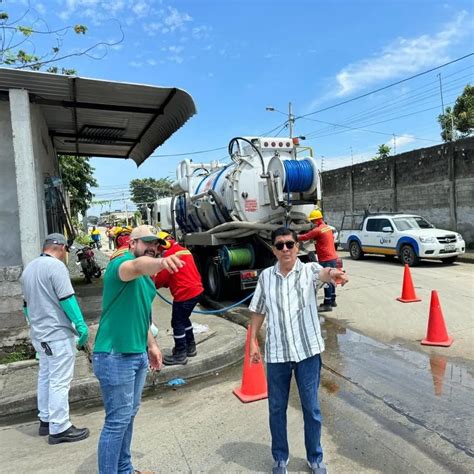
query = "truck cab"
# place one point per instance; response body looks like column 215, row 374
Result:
column 407, row 236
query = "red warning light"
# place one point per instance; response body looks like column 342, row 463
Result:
column 273, row 144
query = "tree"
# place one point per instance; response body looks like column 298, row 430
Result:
column 148, row 190
column 383, row 152
column 20, row 49
column 460, row 118
column 78, row 177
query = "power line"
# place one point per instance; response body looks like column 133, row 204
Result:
column 370, row 131
column 385, row 87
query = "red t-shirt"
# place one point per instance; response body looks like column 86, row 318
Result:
column 324, row 241
column 186, row 283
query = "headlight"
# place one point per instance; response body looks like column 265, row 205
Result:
column 427, row 240
column 459, row 237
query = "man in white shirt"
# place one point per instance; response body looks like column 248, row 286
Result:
column 286, row 294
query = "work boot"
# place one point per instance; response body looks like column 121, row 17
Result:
column 324, row 308
column 43, row 429
column 69, row 436
column 334, row 304
column 143, row 472
column 191, row 350
column 176, row 358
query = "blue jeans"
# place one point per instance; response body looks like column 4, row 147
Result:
column 330, row 291
column 121, row 377
column 307, row 373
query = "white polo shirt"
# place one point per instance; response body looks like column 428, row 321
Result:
column 290, row 305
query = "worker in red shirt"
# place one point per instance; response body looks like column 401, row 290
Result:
column 326, row 253
column 186, row 290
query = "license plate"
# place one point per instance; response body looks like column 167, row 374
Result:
column 449, row 248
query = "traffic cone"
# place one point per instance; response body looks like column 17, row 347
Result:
column 437, row 334
column 408, row 291
column 254, row 383
column 438, row 369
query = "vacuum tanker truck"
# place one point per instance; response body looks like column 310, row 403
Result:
column 225, row 212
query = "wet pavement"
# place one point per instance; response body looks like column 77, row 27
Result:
column 429, row 390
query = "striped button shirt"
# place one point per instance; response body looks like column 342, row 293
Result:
column 290, row 305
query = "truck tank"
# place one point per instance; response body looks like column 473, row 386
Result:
column 227, row 211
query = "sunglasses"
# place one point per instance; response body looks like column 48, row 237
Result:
column 289, row 245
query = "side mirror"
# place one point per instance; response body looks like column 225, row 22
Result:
column 387, row 229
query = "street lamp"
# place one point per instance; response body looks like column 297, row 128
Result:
column 291, row 117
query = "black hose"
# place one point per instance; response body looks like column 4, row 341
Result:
column 234, row 140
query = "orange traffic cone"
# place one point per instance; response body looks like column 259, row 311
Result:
column 438, row 369
column 254, row 383
column 408, row 291
column 437, row 334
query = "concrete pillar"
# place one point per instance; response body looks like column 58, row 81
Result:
column 452, row 187
column 351, row 187
column 393, row 183
column 26, row 185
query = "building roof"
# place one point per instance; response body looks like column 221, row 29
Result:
column 91, row 117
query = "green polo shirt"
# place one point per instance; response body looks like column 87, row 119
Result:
column 126, row 311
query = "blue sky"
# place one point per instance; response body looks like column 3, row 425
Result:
column 236, row 57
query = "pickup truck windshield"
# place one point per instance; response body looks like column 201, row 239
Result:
column 407, row 223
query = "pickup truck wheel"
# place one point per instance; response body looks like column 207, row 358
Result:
column 449, row 260
column 355, row 251
column 408, row 256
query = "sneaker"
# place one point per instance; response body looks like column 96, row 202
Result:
column 279, row 467
column 175, row 358
column 69, row 436
column 334, row 304
column 43, row 429
column 317, row 468
column 324, row 308
column 191, row 350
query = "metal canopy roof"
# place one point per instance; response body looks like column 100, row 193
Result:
column 91, row 117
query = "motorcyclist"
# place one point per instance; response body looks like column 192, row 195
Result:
column 95, row 236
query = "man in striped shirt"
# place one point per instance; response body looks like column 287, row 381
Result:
column 286, row 294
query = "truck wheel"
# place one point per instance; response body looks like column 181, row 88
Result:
column 449, row 260
column 408, row 256
column 355, row 251
column 213, row 280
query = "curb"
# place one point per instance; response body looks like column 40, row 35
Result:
column 86, row 390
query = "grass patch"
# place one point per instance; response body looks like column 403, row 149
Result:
column 16, row 354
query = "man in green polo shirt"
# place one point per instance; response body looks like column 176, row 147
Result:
column 124, row 345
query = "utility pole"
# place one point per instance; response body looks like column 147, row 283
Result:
column 441, row 93
column 322, row 163
column 291, row 119
column 352, row 157
column 394, row 144
column 442, row 108
column 126, row 208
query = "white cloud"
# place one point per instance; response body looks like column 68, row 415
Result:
column 41, row 8
column 401, row 141
column 176, row 59
column 135, row 64
column 201, row 32
column 403, row 56
column 175, row 49
column 141, row 9
column 176, row 19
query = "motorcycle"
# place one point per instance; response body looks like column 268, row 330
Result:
column 86, row 259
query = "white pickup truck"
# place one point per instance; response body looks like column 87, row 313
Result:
column 407, row 236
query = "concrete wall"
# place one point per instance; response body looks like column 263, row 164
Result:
column 10, row 250
column 436, row 182
column 45, row 164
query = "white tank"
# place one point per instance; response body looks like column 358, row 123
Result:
column 252, row 188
